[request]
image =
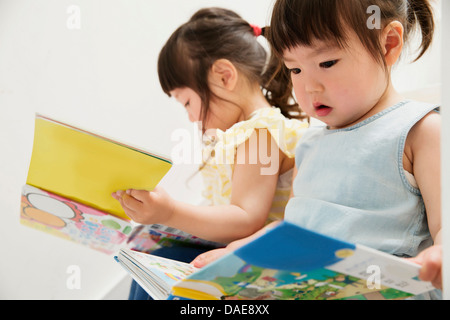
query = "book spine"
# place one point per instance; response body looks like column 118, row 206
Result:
column 189, row 294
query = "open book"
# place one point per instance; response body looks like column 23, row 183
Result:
column 71, row 177
column 287, row 263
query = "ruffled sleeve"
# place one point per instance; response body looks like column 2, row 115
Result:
column 285, row 132
column 220, row 156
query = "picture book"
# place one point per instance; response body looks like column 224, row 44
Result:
column 286, row 263
column 71, row 177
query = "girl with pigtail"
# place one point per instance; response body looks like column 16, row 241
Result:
column 217, row 69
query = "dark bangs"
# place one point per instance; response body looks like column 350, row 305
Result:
column 301, row 22
column 173, row 68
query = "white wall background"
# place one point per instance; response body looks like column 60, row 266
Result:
column 101, row 77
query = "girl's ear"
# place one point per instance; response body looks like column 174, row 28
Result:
column 392, row 42
column 224, row 74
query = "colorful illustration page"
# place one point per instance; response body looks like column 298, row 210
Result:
column 225, row 277
column 72, row 221
column 269, row 267
column 290, row 263
column 87, row 168
column 170, row 271
column 155, row 274
column 152, row 237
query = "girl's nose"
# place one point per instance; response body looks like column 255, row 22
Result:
column 312, row 85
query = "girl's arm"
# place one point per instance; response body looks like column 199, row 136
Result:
column 210, row 256
column 423, row 153
column 253, row 188
column 425, row 145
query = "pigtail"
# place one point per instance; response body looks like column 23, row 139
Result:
column 420, row 14
column 277, row 86
column 216, row 33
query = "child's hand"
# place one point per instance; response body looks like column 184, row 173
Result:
column 431, row 262
column 146, row 207
column 210, row 256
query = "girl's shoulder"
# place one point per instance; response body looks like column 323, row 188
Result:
column 425, row 134
column 286, row 132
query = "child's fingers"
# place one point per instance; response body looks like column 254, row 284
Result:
column 432, row 266
column 208, row 257
column 131, row 203
column 432, row 274
column 140, row 195
column 431, row 262
column 117, row 195
column 436, row 278
column 201, row 261
column 128, row 211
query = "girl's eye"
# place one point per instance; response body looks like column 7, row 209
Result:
column 328, row 64
column 295, row 71
column 187, row 104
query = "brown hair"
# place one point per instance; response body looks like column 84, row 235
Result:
column 212, row 34
column 299, row 22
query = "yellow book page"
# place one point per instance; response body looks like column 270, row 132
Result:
column 198, row 290
column 87, row 168
column 192, row 294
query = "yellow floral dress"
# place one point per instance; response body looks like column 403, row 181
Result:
column 219, row 156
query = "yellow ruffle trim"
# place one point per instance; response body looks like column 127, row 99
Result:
column 285, row 132
column 220, row 156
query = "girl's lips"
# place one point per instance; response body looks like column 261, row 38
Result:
column 322, row 110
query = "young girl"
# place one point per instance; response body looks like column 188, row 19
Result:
column 371, row 175
column 215, row 67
